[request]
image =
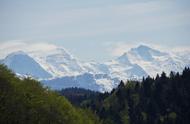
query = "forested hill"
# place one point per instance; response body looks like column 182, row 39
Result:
column 27, row 102
column 160, row 100
column 78, row 95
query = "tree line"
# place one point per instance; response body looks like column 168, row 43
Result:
column 160, row 100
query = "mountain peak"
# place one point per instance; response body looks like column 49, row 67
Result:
column 124, row 55
column 19, row 62
column 124, row 59
column 16, row 53
column 146, row 53
column 142, row 48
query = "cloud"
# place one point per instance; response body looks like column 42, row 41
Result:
column 118, row 48
column 18, row 45
column 112, row 48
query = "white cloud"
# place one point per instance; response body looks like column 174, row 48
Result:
column 18, row 45
column 119, row 48
column 113, row 48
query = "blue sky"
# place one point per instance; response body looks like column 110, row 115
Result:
column 93, row 30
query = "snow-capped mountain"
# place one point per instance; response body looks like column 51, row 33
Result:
column 153, row 61
column 22, row 64
column 124, row 69
column 64, row 70
column 58, row 62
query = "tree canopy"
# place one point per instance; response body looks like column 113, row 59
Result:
column 160, row 100
column 27, row 102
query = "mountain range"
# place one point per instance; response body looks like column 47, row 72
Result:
column 59, row 69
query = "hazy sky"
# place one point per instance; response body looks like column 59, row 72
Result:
column 91, row 29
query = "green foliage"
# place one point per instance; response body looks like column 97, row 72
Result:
column 27, row 102
column 163, row 100
column 77, row 95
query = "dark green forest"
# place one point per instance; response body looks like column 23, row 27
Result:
column 78, row 95
column 160, row 100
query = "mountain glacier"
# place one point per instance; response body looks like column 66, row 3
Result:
column 59, row 69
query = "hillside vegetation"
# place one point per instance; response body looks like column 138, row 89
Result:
column 27, row 102
column 160, row 100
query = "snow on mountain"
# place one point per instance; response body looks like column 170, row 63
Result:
column 68, row 71
column 125, row 72
column 22, row 64
column 146, row 53
column 136, row 63
column 96, row 82
column 96, row 68
column 153, row 61
column 58, row 62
